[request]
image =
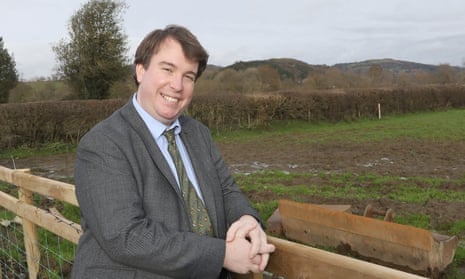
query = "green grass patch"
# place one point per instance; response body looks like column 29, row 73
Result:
column 459, row 260
column 457, row 228
column 6, row 215
column 265, row 209
column 442, row 125
column 43, row 150
column 350, row 186
column 5, row 187
column 459, row 255
column 71, row 212
column 54, row 244
column 416, row 220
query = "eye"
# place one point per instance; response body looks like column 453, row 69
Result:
column 190, row 77
column 167, row 69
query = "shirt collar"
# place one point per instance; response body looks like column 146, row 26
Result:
column 156, row 128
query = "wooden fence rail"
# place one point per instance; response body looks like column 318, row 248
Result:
column 290, row 260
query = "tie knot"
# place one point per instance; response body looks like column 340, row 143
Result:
column 169, row 134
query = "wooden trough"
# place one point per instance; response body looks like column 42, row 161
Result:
column 401, row 246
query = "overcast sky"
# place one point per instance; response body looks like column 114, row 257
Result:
column 314, row 31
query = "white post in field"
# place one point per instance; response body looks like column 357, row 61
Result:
column 379, row 111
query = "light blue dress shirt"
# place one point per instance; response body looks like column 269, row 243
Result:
column 156, row 129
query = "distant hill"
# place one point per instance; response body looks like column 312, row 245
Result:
column 391, row 65
column 298, row 70
column 287, row 68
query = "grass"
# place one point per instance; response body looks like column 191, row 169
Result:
column 347, row 185
column 438, row 126
column 43, row 150
column 457, row 227
column 417, row 220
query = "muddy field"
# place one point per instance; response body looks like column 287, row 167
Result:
column 401, row 158
column 406, row 158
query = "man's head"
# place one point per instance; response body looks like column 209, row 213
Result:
column 191, row 47
column 168, row 62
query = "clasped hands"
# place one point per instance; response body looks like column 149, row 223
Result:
column 247, row 249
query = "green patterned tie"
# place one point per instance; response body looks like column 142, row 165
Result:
column 198, row 214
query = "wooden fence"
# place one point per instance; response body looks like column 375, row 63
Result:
column 290, row 260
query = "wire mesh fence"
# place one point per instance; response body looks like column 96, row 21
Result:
column 55, row 253
column 12, row 253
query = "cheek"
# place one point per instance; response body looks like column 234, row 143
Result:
column 189, row 90
column 149, row 84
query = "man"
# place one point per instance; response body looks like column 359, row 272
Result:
column 129, row 185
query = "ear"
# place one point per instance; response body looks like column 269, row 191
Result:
column 140, row 71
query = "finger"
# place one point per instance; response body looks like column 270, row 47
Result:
column 264, row 262
column 257, row 259
column 244, row 229
column 269, row 248
column 255, row 268
column 240, row 229
column 256, row 241
column 259, row 242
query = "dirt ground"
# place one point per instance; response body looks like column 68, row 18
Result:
column 408, row 158
column 401, row 158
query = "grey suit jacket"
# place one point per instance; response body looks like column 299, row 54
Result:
column 133, row 216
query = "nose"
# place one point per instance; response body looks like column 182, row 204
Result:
column 177, row 82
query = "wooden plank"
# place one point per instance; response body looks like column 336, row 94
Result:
column 6, row 174
column 41, row 217
column 47, row 187
column 338, row 207
column 293, row 260
column 368, row 247
column 274, row 224
column 368, row 227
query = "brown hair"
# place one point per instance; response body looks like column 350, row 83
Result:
column 191, row 47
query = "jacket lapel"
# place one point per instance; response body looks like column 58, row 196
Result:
column 138, row 125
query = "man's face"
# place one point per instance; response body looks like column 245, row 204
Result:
column 167, row 85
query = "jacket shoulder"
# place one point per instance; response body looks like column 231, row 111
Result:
column 117, row 124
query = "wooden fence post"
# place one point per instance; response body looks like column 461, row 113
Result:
column 31, row 238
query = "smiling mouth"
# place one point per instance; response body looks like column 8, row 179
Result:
column 170, row 99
